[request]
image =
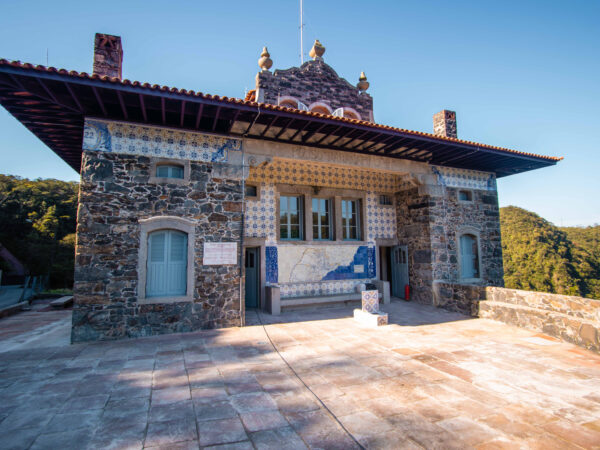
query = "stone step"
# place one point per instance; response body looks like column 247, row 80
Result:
column 584, row 333
column 62, row 302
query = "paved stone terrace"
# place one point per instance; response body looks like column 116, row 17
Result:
column 431, row 379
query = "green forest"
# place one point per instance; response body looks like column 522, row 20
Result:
column 37, row 225
column 539, row 256
column 38, row 218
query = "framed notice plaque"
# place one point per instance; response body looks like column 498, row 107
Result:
column 220, row 253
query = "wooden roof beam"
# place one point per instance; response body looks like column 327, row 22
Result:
column 214, row 124
column 99, row 100
column 122, row 103
column 143, row 108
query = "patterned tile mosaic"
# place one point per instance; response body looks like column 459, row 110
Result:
column 359, row 267
column 259, row 220
column 316, row 174
column 381, row 220
column 132, row 139
column 462, row 178
column 318, row 288
column 272, row 266
column 370, row 301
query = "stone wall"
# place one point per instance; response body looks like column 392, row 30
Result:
column 571, row 319
column 462, row 298
column 414, row 231
column 115, row 194
column 314, row 81
column 449, row 218
column 430, row 221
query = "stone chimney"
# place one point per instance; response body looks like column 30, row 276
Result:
column 108, row 55
column 444, row 124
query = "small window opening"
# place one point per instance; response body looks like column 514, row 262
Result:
column 251, row 191
column 321, row 110
column 385, row 200
column 465, row 196
column 169, row 171
column 289, row 104
column 350, row 115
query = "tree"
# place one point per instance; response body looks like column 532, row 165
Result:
column 35, row 218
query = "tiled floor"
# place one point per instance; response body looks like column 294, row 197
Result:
column 431, row 379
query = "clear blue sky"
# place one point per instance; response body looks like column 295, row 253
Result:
column 519, row 74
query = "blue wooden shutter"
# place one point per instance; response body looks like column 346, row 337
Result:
column 167, row 264
column 468, row 256
column 162, row 171
column 177, row 268
column 156, row 284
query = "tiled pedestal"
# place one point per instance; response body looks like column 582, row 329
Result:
column 370, row 314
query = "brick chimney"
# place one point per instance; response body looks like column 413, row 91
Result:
column 108, row 55
column 444, row 124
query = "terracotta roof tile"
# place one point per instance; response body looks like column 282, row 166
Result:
column 249, row 102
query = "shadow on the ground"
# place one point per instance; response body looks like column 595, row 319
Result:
column 400, row 313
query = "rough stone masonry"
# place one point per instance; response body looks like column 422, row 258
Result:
column 115, row 194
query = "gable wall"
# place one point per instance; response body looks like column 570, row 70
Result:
column 314, row 81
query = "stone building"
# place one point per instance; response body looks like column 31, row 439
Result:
column 193, row 207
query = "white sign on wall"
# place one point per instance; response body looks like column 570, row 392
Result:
column 220, row 253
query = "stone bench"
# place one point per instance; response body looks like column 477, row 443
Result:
column 62, row 302
column 274, row 302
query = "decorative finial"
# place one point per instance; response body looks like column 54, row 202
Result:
column 362, row 84
column 317, row 50
column 265, row 62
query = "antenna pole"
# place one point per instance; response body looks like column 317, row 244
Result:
column 301, row 37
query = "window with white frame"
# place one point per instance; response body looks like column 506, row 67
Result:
column 321, row 219
column 469, row 256
column 169, row 171
column 290, row 217
column 350, row 220
column 167, row 264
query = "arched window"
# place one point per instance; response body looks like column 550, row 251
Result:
column 321, row 108
column 469, row 256
column 288, row 103
column 169, row 171
column 350, row 113
column 167, row 263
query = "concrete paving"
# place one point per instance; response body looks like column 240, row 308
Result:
column 317, row 379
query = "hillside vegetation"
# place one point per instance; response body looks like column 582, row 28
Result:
column 37, row 225
column 539, row 256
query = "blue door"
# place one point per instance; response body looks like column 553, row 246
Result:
column 252, row 265
column 399, row 271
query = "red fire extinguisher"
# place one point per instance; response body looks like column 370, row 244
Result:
column 407, row 292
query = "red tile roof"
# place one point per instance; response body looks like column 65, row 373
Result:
column 191, row 93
